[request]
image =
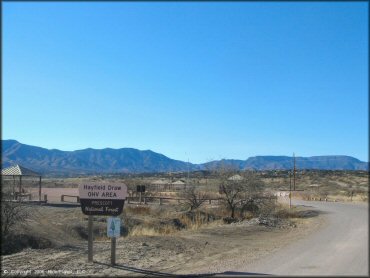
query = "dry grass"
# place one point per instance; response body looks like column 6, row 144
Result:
column 144, row 230
column 195, row 223
column 138, row 210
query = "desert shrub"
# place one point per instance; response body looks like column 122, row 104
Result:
column 152, row 230
column 221, row 212
column 195, row 219
column 14, row 243
column 186, row 220
column 12, row 213
column 193, row 198
column 81, row 230
column 250, row 207
column 236, row 192
column 229, row 220
column 138, row 209
column 286, row 213
column 266, row 207
column 176, row 223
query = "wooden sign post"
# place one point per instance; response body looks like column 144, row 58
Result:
column 113, row 251
column 90, row 240
column 101, row 199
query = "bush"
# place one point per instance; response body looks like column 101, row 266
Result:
column 83, row 233
column 138, row 209
column 16, row 243
column 229, row 220
column 12, row 213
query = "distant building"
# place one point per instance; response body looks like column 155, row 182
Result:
column 236, row 178
column 160, row 185
column 179, row 185
column 167, row 185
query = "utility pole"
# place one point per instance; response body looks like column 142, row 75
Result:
column 188, row 174
column 290, row 189
column 294, row 169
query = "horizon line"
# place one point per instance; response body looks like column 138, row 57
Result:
column 333, row 155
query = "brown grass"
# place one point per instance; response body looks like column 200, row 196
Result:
column 138, row 210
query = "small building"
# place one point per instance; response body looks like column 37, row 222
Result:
column 167, row 185
column 160, row 185
column 179, row 185
column 236, row 178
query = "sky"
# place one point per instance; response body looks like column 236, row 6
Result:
column 195, row 81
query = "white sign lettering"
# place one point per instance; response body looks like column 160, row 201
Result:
column 102, row 191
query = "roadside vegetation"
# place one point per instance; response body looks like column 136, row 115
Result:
column 236, row 197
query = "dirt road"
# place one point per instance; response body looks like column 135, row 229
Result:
column 339, row 248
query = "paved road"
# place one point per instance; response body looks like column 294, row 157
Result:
column 339, row 248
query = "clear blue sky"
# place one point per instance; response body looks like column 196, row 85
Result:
column 191, row 80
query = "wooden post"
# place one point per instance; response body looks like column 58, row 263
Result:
column 140, row 197
column 20, row 188
column 40, row 189
column 160, row 201
column 13, row 187
column 113, row 251
column 90, row 240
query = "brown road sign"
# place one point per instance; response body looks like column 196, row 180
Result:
column 102, row 198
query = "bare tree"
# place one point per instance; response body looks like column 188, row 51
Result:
column 194, row 198
column 237, row 193
column 12, row 213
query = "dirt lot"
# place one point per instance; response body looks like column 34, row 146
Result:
column 213, row 248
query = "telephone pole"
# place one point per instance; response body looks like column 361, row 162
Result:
column 294, row 169
column 188, row 174
column 290, row 189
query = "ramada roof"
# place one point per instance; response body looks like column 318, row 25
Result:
column 18, row 170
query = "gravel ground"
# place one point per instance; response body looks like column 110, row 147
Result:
column 215, row 248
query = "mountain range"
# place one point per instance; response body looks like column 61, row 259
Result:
column 129, row 160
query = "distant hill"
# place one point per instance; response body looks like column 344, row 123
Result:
column 89, row 161
column 329, row 162
column 128, row 160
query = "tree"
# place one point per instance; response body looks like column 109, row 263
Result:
column 241, row 193
column 11, row 214
column 193, row 198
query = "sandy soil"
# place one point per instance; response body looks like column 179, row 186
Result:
column 215, row 248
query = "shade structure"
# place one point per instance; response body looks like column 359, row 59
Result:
column 18, row 171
